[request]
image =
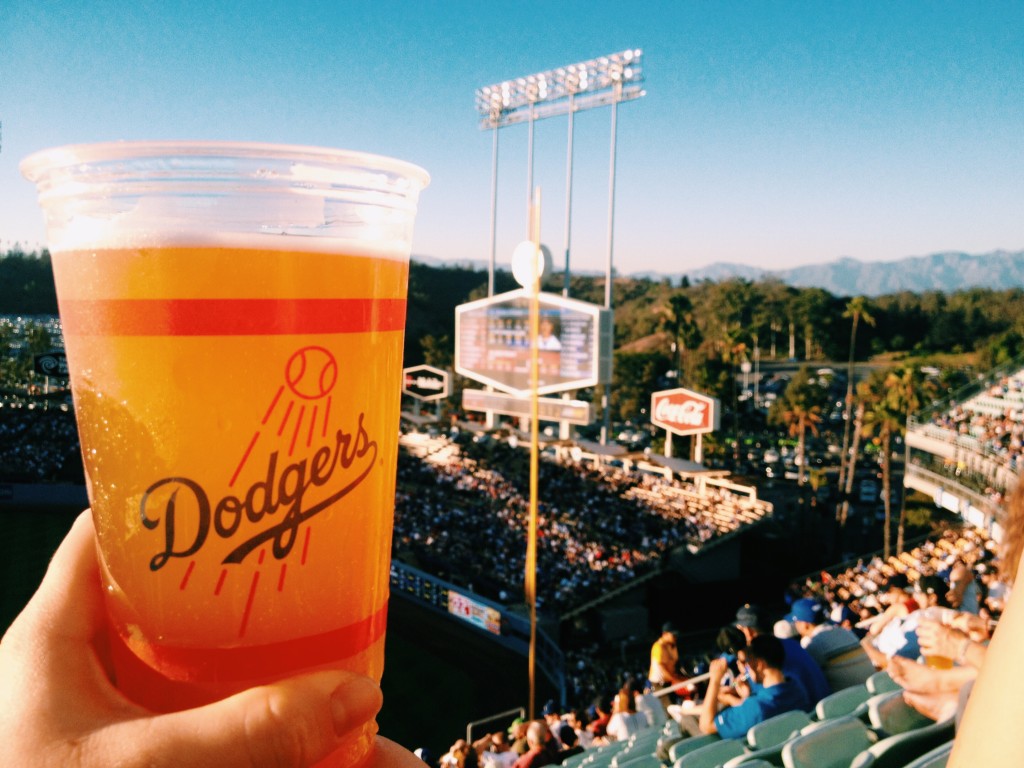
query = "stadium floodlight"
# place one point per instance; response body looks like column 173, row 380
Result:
column 594, row 83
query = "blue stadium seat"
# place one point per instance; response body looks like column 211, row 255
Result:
column 889, row 714
column 686, row 746
column 775, row 730
column 937, row 758
column 769, row 756
column 833, row 745
column 650, row 760
column 899, row 750
column 575, row 760
column 712, row 755
column 881, row 682
column 842, row 703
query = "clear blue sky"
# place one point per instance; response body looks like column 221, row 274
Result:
column 773, row 133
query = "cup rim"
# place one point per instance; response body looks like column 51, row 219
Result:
column 35, row 166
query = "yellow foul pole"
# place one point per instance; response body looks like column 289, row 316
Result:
column 530, row 579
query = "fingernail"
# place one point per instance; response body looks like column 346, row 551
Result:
column 354, row 702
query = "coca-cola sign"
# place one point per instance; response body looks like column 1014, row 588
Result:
column 684, row 412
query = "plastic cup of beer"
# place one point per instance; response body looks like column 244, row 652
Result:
column 233, row 317
column 938, row 662
column 943, row 617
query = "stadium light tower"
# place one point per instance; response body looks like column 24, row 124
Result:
column 606, row 80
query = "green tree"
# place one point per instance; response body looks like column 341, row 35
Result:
column 882, row 421
column 905, row 390
column 812, row 314
column 799, row 410
column 636, row 376
column 727, row 309
column 680, row 321
column 770, row 313
column 437, row 351
column 37, row 338
column 863, row 397
column 26, row 283
column 856, row 310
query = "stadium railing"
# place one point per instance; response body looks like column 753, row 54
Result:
column 518, row 712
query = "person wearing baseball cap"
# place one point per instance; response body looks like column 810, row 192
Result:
column 797, row 665
column 835, row 649
column 770, row 692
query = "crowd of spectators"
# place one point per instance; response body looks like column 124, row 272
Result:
column 858, row 588
column 38, row 445
column 987, row 432
column 958, row 570
column 462, row 511
column 990, row 422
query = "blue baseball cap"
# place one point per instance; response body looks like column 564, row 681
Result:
column 809, row 610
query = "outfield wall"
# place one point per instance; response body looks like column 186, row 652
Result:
column 498, row 623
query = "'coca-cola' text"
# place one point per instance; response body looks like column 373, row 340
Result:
column 689, row 413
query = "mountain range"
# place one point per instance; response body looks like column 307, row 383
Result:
column 946, row 272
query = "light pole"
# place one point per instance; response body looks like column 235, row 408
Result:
column 494, row 205
column 568, row 189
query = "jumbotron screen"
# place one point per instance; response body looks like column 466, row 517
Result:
column 493, row 343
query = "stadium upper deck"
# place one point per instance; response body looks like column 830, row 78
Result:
column 967, row 453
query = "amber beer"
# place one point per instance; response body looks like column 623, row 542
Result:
column 238, row 403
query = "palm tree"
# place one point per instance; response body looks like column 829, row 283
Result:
column 799, row 410
column 811, row 310
column 801, row 418
column 863, row 396
column 882, row 421
column 680, row 321
column 905, row 389
column 856, row 310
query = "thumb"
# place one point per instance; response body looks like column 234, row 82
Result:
column 294, row 722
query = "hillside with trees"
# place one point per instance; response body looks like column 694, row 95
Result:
column 695, row 334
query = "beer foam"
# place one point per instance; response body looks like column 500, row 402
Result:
column 86, row 236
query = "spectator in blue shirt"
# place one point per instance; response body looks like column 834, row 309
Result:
column 772, row 695
column 798, row 664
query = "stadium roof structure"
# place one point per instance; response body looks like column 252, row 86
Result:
column 613, row 451
column 678, row 466
column 418, row 420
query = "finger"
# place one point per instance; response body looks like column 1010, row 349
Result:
column 387, row 754
column 295, row 722
column 897, row 670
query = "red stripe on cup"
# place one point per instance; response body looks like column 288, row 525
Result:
column 268, row 661
column 229, row 317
